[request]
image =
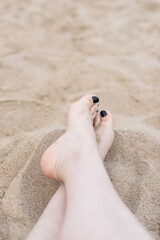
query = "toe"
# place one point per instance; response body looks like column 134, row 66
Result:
column 106, row 117
column 85, row 108
column 105, row 132
column 89, row 100
column 93, row 117
column 94, row 109
column 96, row 120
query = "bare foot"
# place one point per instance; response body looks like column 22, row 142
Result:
column 65, row 155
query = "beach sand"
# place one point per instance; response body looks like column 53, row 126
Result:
column 52, row 53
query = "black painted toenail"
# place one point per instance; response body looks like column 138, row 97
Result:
column 97, row 110
column 103, row 113
column 95, row 99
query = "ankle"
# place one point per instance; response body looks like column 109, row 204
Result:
column 86, row 165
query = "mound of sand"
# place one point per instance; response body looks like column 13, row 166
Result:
column 52, row 53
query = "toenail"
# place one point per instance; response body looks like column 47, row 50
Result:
column 103, row 113
column 95, row 99
column 97, row 110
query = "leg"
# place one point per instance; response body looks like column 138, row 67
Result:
column 94, row 210
column 49, row 225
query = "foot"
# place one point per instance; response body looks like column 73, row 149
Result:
column 79, row 141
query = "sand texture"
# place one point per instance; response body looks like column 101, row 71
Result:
column 53, row 52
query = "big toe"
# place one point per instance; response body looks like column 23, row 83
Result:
column 104, row 131
column 86, row 105
column 88, row 100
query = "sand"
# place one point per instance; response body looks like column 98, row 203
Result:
column 53, row 52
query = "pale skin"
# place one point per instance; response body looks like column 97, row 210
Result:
column 85, row 206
